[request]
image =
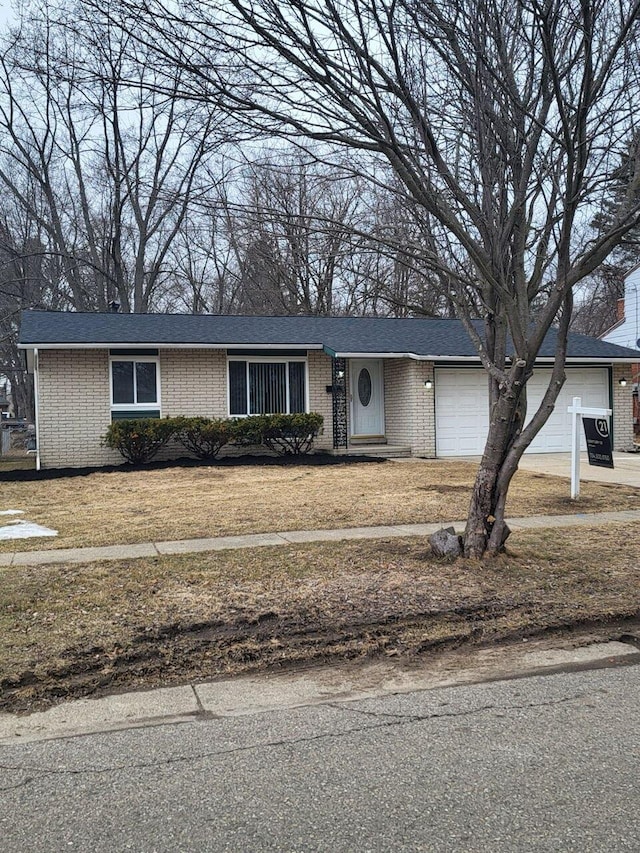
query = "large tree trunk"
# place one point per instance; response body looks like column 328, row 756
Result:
column 508, row 438
column 486, row 528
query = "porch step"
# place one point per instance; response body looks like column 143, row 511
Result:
column 394, row 450
column 357, row 441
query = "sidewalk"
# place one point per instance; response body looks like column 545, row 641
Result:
column 289, row 537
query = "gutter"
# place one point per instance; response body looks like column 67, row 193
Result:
column 166, row 345
column 472, row 359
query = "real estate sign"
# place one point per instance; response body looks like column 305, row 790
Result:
column 598, row 437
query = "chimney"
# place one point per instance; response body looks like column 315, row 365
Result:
column 620, row 309
column 114, row 306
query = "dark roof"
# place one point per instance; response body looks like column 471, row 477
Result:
column 424, row 337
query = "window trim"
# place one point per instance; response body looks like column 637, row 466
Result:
column 141, row 407
column 256, row 359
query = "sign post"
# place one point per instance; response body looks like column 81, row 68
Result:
column 577, row 411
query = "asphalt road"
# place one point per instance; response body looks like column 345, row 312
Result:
column 537, row 764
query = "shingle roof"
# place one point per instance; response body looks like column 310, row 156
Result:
column 422, row 337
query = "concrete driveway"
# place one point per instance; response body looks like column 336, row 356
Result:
column 625, row 472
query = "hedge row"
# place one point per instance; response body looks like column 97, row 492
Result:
column 139, row 440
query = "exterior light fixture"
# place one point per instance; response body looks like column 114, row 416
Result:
column 428, row 384
column 622, row 381
column 339, row 374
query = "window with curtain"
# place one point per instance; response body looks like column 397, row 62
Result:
column 266, row 387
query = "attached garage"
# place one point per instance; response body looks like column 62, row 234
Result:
column 462, row 412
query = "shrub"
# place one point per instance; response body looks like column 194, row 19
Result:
column 204, row 437
column 139, row 439
column 283, row 434
column 249, row 431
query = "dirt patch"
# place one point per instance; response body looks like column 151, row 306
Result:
column 75, row 631
column 196, row 502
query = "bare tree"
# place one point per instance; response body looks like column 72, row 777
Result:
column 596, row 309
column 497, row 117
column 117, row 164
column 288, row 234
column 30, row 276
column 307, row 217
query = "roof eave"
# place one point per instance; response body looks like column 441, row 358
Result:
column 166, row 345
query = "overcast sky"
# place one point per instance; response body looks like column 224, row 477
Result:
column 5, row 12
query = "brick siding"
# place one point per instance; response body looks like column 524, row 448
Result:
column 193, row 383
column 74, row 405
column 319, row 400
column 622, row 408
column 409, row 407
column 74, row 408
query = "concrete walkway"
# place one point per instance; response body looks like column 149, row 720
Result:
column 290, row 537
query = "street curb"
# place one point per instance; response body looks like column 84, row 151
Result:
column 262, row 693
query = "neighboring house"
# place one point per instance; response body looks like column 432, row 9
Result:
column 5, row 401
column 626, row 332
column 412, row 384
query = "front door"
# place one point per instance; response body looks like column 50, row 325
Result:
column 367, row 397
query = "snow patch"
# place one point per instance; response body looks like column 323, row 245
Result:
column 21, row 529
column 12, row 512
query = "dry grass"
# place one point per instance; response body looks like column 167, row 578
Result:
column 21, row 463
column 185, row 503
column 68, row 631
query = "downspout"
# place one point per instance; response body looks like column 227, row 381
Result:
column 36, row 399
column 612, row 407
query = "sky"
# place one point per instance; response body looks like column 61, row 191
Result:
column 6, row 13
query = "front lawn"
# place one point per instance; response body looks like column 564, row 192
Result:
column 79, row 630
column 184, row 503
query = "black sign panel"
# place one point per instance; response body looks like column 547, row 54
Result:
column 596, row 431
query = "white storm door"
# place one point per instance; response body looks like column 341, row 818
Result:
column 367, row 397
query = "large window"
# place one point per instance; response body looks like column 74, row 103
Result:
column 267, row 386
column 134, row 384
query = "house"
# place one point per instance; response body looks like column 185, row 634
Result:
column 5, row 401
column 626, row 331
column 413, row 384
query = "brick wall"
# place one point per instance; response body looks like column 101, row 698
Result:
column 622, row 408
column 193, row 383
column 319, row 400
column 74, row 408
column 408, row 406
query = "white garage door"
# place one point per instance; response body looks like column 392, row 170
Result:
column 462, row 410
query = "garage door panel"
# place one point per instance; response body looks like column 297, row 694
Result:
column 462, row 416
